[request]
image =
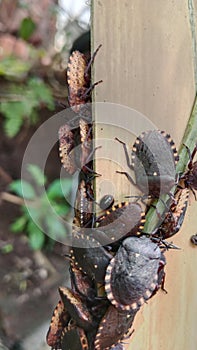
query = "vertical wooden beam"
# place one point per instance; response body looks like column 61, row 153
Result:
column 148, row 62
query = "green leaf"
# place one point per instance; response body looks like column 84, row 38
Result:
column 27, row 28
column 7, row 248
column 19, row 224
column 40, row 92
column 56, row 228
column 14, row 111
column 13, row 67
column 37, row 174
column 59, row 188
column 23, row 189
column 62, row 209
column 36, row 236
column 12, row 126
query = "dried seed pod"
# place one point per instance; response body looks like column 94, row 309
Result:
column 112, row 328
column 132, row 275
column 154, row 157
column 76, row 308
column 59, row 321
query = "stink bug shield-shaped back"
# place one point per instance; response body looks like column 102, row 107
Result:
column 113, row 326
column 124, row 219
column 132, row 275
column 153, row 159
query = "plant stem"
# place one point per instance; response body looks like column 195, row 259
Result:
column 189, row 139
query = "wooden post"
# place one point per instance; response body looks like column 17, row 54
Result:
column 148, row 62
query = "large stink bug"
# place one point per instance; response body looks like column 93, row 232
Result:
column 153, row 159
column 78, row 78
column 132, row 275
column 113, row 326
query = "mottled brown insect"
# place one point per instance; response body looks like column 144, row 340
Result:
column 90, row 256
column 84, row 205
column 190, row 177
column 75, row 147
column 175, row 215
column 59, row 321
column 66, row 146
column 74, row 338
column 76, row 308
column 123, row 219
column 78, row 78
column 113, row 326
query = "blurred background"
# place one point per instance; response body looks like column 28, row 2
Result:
column 36, row 39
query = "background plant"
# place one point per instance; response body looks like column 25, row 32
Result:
column 56, row 193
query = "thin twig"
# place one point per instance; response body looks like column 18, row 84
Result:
column 8, row 197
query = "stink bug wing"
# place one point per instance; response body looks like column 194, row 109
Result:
column 154, row 157
column 114, row 324
column 135, row 266
column 74, row 338
column 88, row 254
column 122, row 220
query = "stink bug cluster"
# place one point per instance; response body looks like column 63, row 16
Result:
column 115, row 267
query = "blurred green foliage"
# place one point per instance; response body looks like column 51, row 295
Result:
column 40, row 206
column 31, row 97
column 27, row 28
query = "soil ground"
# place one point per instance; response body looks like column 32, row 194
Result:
column 28, row 280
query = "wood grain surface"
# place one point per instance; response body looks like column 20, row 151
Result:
column 148, row 63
